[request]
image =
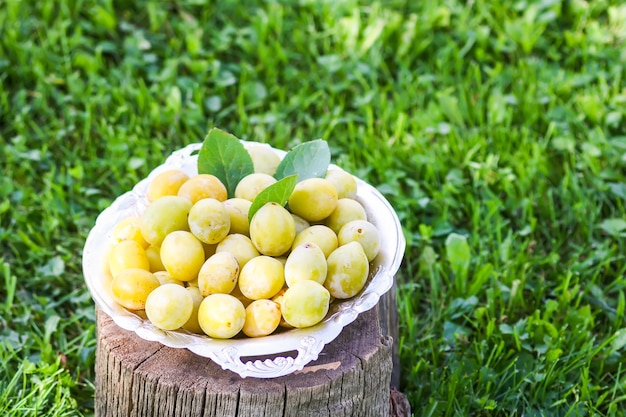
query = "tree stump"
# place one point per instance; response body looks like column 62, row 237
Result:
column 351, row 377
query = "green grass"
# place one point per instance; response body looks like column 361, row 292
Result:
column 495, row 128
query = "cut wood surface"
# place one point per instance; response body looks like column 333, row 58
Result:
column 351, row 377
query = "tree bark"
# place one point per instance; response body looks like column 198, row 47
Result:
column 387, row 309
column 351, row 377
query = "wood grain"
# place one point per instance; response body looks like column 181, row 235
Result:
column 138, row 378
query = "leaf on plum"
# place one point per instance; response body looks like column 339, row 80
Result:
column 279, row 192
column 224, row 156
column 307, row 160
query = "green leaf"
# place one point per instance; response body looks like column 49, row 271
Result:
column 55, row 267
column 613, row 226
column 278, row 192
column 618, row 188
column 452, row 331
column 462, row 306
column 51, row 325
column 307, row 160
column 458, row 254
column 224, row 156
column 619, row 340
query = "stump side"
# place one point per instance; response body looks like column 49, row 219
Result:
column 135, row 377
column 387, row 309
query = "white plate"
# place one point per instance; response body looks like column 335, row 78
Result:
column 298, row 346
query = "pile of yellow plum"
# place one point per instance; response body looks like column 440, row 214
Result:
column 194, row 260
